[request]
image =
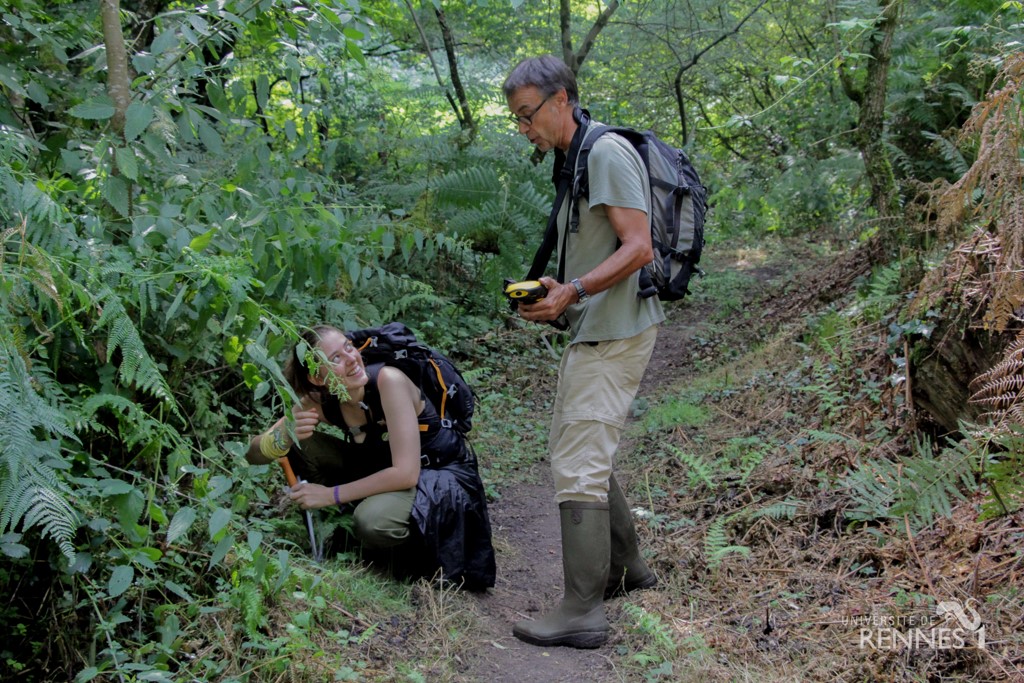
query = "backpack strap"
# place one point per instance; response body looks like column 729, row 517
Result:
column 401, row 359
column 562, row 177
column 581, row 188
column 372, row 406
column 445, row 393
column 547, row 245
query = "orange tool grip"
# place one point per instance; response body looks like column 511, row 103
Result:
column 288, row 473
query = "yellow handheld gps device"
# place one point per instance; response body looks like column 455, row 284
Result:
column 526, row 292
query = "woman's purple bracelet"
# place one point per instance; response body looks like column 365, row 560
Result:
column 337, row 501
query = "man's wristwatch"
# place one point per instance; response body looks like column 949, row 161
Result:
column 580, row 292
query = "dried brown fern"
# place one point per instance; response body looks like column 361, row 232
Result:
column 991, row 194
column 1001, row 388
column 985, row 273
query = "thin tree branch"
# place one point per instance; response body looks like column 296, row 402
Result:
column 591, row 37
column 678, row 84
column 466, row 118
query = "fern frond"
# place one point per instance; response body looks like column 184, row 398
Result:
column 137, row 366
column 143, row 427
column 51, row 511
column 398, row 308
column 1001, row 388
column 467, row 187
column 900, row 159
column 715, row 539
column 716, row 544
column 698, row 469
column 921, row 487
column 786, row 509
column 949, row 152
column 251, row 603
column 1001, row 377
column 992, row 191
column 999, row 402
column 32, row 492
column 44, row 220
column 832, row 437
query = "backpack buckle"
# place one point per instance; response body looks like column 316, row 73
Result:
column 401, row 354
column 424, row 460
column 446, row 423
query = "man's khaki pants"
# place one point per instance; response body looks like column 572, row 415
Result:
column 596, row 386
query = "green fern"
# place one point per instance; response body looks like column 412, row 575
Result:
column 399, row 308
column 250, row 600
column 717, row 546
column 468, row 187
column 919, row 488
column 698, row 470
column 747, row 452
column 786, row 509
column 32, row 491
column 882, row 293
column 52, row 511
column 949, row 152
column 822, row 436
column 1003, row 466
column 24, row 202
column 143, row 428
column 839, row 346
column 716, row 541
column 137, row 366
column 900, row 159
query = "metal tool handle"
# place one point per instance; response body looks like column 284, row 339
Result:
column 289, row 474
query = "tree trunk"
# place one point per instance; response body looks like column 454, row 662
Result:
column 118, row 88
column 462, row 113
column 871, row 129
column 565, row 30
column 118, row 80
column 871, row 96
column 574, row 59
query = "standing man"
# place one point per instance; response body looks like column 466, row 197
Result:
column 612, row 336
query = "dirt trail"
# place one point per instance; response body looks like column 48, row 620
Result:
column 525, row 525
column 529, row 580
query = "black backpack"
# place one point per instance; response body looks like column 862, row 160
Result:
column 679, row 205
column 394, row 344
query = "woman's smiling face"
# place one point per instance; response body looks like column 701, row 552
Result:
column 340, row 359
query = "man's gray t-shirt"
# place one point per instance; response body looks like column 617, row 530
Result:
column 617, row 178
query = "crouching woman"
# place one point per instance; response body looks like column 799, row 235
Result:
column 367, row 436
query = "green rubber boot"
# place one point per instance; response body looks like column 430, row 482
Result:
column 628, row 571
column 579, row 620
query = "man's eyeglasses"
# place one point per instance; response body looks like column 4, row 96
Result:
column 527, row 119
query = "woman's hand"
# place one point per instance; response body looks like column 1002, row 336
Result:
column 306, row 420
column 311, row 496
column 305, row 415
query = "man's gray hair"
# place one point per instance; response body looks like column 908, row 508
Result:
column 547, row 73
